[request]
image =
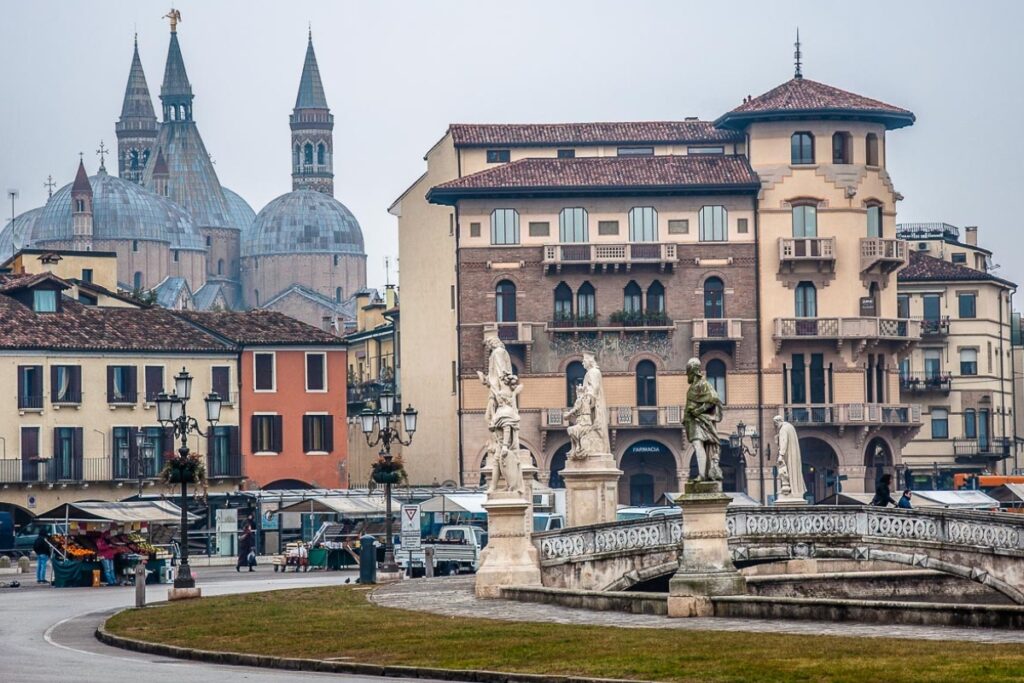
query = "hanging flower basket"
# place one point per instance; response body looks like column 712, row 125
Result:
column 190, row 471
column 388, row 472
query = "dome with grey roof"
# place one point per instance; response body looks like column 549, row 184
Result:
column 122, row 210
column 240, row 214
column 303, row 222
column 13, row 236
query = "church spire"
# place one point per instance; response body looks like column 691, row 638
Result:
column 81, row 210
column 311, row 89
column 312, row 127
column 176, row 91
column 137, row 127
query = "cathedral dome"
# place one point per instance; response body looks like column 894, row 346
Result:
column 14, row 234
column 240, row 214
column 303, row 222
column 122, row 210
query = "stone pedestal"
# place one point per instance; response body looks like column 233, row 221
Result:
column 184, row 593
column 787, row 502
column 591, row 490
column 705, row 565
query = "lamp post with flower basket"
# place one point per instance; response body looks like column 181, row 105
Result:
column 187, row 468
column 384, row 426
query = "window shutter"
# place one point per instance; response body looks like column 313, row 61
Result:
column 133, row 382
column 329, row 433
column 221, row 377
column 154, row 381
column 277, row 434
column 76, row 382
column 76, row 445
column 37, row 385
column 110, row 382
column 53, row 383
column 165, row 448
column 232, row 441
column 29, row 443
column 56, row 441
column 21, row 383
column 307, row 429
column 254, row 428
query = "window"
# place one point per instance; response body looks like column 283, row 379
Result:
column 505, row 302
column 960, row 258
column 574, row 374
column 154, row 378
column 607, row 227
column 321, row 154
column 87, row 299
column 932, row 307
column 220, row 382
column 44, row 301
column 656, row 299
column 940, row 423
column 563, row 302
column 316, row 372
column 224, row 456
column 474, row 229
column 983, row 430
column 902, row 305
column 802, row 148
column 842, row 148
column 504, row 226
column 968, row 304
column 716, row 377
column 307, row 154
column 741, row 226
column 798, row 380
column 636, row 151
column 135, row 245
column 540, row 229
column 643, row 224
column 713, row 222
column 871, row 149
column 968, row 361
column 646, row 384
column 585, row 304
column 714, row 298
column 29, row 454
column 79, row 205
column 572, row 225
column 566, row 153
column 806, row 300
column 805, row 220
column 705, row 150
column 679, row 226
column 121, row 384
column 317, row 434
column 337, row 294
column 266, row 434
column 631, row 298
column 65, row 384
column 874, row 220
column 932, row 363
column 137, row 281
column 30, row 387
column 67, row 453
column 970, row 424
column 498, row 156
column 208, row 241
column 86, row 274
column 256, row 294
column 263, row 369
column 220, row 263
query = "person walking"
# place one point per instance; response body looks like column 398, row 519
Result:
column 246, row 547
column 905, row 501
column 42, row 551
column 883, row 494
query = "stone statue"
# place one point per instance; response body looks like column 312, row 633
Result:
column 703, row 412
column 502, row 418
column 175, row 16
column 589, row 434
column 790, row 464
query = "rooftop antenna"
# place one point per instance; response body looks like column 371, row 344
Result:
column 102, row 152
column 49, row 185
column 13, row 194
column 387, row 271
column 797, row 55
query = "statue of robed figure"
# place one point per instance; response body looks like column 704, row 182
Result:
column 702, row 414
column 502, row 418
column 589, row 435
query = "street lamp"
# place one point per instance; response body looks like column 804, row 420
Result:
column 388, row 424
column 170, row 412
column 738, row 442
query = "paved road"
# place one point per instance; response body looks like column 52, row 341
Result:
column 46, row 634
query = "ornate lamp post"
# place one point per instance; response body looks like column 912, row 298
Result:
column 737, row 441
column 384, row 426
column 170, row 410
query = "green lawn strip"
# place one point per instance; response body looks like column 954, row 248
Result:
column 339, row 622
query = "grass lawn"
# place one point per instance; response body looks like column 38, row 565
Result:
column 339, row 622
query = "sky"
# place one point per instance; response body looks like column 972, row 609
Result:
column 396, row 73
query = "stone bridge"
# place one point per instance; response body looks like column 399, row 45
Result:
column 986, row 547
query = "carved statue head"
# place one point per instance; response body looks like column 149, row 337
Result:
column 589, row 361
column 492, row 343
column 778, row 420
column 693, row 369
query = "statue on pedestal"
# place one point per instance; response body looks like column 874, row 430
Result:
column 502, row 418
column 790, row 464
column 702, row 413
column 589, row 434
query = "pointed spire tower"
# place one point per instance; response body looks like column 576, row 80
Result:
column 137, row 127
column 81, row 210
column 312, row 127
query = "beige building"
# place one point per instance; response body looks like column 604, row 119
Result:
column 962, row 372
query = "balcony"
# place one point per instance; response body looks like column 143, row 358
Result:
column 882, row 255
column 972, row 450
column 618, row 323
column 935, row 327
column 68, row 398
column 30, row 403
column 511, row 333
column 861, row 330
column 926, row 383
column 224, row 465
column 610, row 256
column 817, row 251
column 623, row 417
column 122, row 398
column 370, row 391
column 722, row 329
column 853, row 414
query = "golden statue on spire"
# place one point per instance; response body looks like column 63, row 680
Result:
column 175, row 16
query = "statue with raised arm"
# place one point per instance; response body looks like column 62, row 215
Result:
column 502, row 416
column 589, row 434
column 175, row 16
column 790, row 464
column 702, row 414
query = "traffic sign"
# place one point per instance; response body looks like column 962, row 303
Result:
column 410, row 535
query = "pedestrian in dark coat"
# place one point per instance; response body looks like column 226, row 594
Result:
column 246, row 548
column 883, row 492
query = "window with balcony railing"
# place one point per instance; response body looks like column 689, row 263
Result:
column 30, row 387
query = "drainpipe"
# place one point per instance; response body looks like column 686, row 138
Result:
column 1002, row 369
column 458, row 336
column 760, row 365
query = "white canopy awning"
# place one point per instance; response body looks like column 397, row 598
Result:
column 965, row 499
column 155, row 511
column 465, row 503
column 349, row 506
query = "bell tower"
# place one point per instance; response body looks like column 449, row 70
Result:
column 137, row 128
column 312, row 127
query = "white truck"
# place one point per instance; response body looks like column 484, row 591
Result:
column 456, row 551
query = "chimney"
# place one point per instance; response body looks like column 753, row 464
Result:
column 971, row 235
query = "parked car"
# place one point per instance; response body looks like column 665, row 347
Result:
column 456, row 550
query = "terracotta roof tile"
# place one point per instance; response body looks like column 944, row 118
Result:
column 581, row 174
column 624, row 133
column 256, row 328
column 925, row 268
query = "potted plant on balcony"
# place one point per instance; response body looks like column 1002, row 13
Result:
column 389, row 469
column 657, row 319
column 563, row 319
column 191, row 469
column 618, row 317
column 586, row 320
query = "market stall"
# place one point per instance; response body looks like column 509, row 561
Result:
column 454, row 508
column 333, row 546
column 121, row 530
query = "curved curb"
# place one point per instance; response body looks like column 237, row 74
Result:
column 326, row 666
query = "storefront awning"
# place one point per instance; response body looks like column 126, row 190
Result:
column 964, row 499
column 154, row 511
column 348, row 506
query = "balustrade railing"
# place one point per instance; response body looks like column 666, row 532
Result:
column 636, row 252
column 712, row 329
column 841, row 414
column 899, row 329
column 807, row 249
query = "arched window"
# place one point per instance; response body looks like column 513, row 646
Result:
column 646, row 384
column 716, row 377
column 574, row 373
column 298, row 156
column 321, row 154
column 802, row 148
column 563, row 302
column 505, row 301
column 656, row 299
column 220, row 266
column 572, row 225
column 871, row 150
column 79, row 205
column 714, row 298
column 643, row 224
column 631, row 298
column 133, row 155
column 842, row 148
column 137, row 280
column 257, row 295
column 714, row 221
column 874, row 220
column 806, row 300
column 337, row 294
column 805, row 220
column 586, row 308
column 504, row 226
column 308, row 154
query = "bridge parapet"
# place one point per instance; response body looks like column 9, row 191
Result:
column 576, row 544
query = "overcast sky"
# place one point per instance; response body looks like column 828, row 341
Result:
column 396, row 73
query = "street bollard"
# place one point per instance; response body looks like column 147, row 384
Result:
column 140, row 584
column 428, row 561
column 367, row 559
